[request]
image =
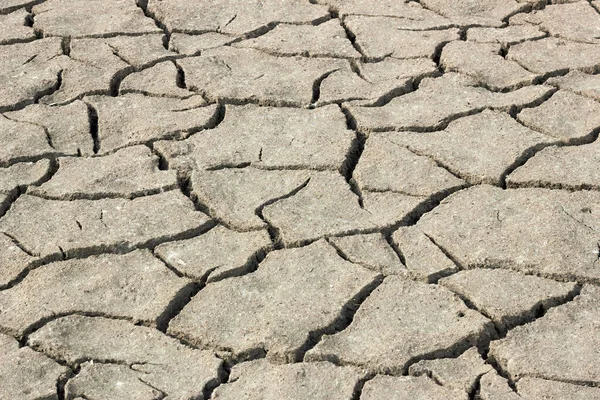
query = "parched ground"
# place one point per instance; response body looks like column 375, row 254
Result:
column 304, row 200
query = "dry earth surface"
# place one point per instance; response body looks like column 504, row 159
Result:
column 299, row 199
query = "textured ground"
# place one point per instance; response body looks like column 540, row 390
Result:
column 294, row 199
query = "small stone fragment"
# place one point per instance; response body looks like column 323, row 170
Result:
column 377, row 83
column 193, row 45
column 136, row 119
column 578, row 82
column 95, row 381
column 28, row 72
column 389, row 166
column 479, row 148
column 482, row 227
column 130, row 172
column 577, row 21
column 262, row 380
column 483, row 63
column 26, row 374
column 494, row 387
column 264, row 312
column 266, row 137
column 476, row 12
column 135, row 286
column 13, row 28
column 400, row 42
column 247, row 75
column 49, row 228
column 235, row 195
column 94, row 18
column 159, row 361
column 13, row 260
column 506, row 36
column 371, row 251
column 533, row 388
column 563, row 345
column 399, row 322
column 407, row 388
column 506, row 297
column 325, row 207
column 424, row 260
column 324, row 40
column 233, row 17
column 217, row 254
column 159, row 80
column 67, row 127
column 459, row 373
column 582, row 119
column 20, row 141
column 552, row 55
column 438, row 101
column 572, row 168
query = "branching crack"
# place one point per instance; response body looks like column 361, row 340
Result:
column 143, row 5
column 274, row 233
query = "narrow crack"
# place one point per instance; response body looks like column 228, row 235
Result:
column 446, row 252
column 360, row 384
column 61, row 383
column 352, row 38
column 316, row 88
column 180, row 78
column 427, row 205
column 500, row 371
column 353, row 156
column 474, row 392
column 222, row 379
column 525, row 156
column 390, row 241
column 19, row 244
column 108, row 195
column 342, row 321
column 455, row 350
column 274, row 233
column 26, row 5
column 438, row 163
column 176, row 305
column 143, row 5
column 356, row 69
column 36, row 326
column 93, row 121
column 162, row 394
column 341, row 253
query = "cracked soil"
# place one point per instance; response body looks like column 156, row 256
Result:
column 299, row 199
